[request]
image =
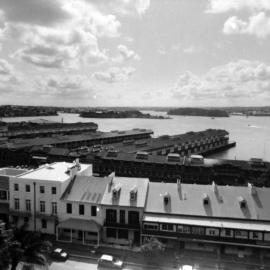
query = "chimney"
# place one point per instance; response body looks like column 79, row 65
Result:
column 252, row 189
column 205, row 199
column 166, row 198
column 111, row 177
column 214, row 186
column 179, row 185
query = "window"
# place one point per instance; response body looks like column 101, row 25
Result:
column 53, row 190
column 16, row 204
column 212, row 232
column 44, row 224
column 93, row 210
column 167, row 227
column 122, row 234
column 16, row 187
column 111, row 233
column 26, row 220
column 42, row 189
column 183, row 229
column 227, row 232
column 197, row 230
column 241, row 234
column 28, row 205
column 151, row 227
column 3, row 195
column 81, row 209
column 42, row 206
column 122, row 216
column 133, row 217
column 69, row 208
column 27, row 188
column 111, row 215
column 54, row 208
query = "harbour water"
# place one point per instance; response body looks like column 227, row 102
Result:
column 252, row 134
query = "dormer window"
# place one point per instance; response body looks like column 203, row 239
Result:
column 116, row 192
column 133, row 193
column 205, row 199
column 242, row 202
column 166, row 198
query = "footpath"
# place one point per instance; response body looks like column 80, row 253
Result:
column 165, row 260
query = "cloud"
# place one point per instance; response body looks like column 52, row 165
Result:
column 5, row 67
column 114, row 74
column 192, row 49
column 258, row 25
column 125, row 54
column 221, row 6
column 241, row 79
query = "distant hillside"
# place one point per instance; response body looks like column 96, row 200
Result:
column 198, row 112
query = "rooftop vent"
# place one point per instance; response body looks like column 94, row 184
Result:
column 205, row 199
column 173, row 157
column 166, row 198
column 112, row 153
column 214, row 186
column 242, row 202
column 142, row 155
column 128, row 142
column 198, row 159
column 116, row 192
column 133, row 193
column 252, row 189
column 141, row 144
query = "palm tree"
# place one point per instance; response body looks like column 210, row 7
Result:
column 27, row 247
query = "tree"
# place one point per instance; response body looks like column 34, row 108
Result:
column 24, row 246
column 152, row 246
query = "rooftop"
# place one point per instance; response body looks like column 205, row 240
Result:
column 223, row 201
column 124, row 185
column 52, row 172
column 87, row 189
column 12, row 171
column 59, row 139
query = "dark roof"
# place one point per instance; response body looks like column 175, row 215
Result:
column 57, row 151
column 224, row 201
column 58, row 139
column 166, row 141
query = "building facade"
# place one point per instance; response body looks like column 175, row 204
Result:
column 35, row 195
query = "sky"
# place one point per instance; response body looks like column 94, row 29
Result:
column 135, row 52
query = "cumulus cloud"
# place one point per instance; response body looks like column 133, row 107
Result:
column 239, row 79
column 64, row 45
column 66, row 86
column 192, row 49
column 258, row 25
column 220, row 6
column 125, row 54
column 114, row 74
column 5, row 67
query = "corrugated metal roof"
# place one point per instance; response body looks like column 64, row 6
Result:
column 223, row 201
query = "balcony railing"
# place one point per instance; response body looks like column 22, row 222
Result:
column 20, row 213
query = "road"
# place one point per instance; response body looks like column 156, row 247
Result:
column 84, row 264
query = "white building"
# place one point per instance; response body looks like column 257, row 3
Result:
column 80, row 216
column 35, row 195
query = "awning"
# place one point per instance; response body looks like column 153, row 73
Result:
column 215, row 223
column 80, row 224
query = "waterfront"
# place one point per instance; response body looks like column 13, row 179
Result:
column 251, row 133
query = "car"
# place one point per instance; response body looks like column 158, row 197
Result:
column 109, row 261
column 59, row 254
column 186, row 267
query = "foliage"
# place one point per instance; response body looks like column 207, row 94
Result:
column 152, row 246
column 19, row 245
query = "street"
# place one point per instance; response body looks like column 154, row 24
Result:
column 89, row 264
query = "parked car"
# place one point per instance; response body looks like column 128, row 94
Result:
column 108, row 261
column 186, row 267
column 59, row 254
